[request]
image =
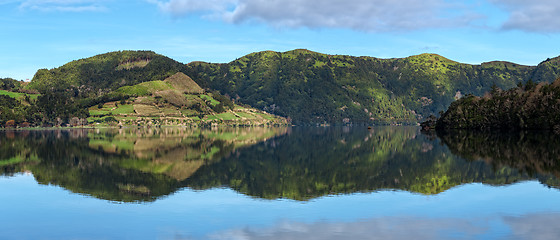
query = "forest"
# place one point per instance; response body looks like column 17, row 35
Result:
column 302, row 86
column 311, row 87
column 527, row 106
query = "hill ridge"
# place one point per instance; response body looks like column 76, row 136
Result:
column 312, row 87
column 302, row 85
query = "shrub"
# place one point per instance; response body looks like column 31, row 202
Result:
column 110, row 119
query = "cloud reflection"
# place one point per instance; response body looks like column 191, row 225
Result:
column 533, row 226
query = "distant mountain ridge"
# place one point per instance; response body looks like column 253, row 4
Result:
column 311, row 87
column 304, row 86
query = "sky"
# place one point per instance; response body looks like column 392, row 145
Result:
column 37, row 34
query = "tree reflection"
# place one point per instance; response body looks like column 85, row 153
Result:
column 310, row 163
column 535, row 153
column 136, row 165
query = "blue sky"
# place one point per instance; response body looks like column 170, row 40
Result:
column 48, row 33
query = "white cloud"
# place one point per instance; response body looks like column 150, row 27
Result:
column 366, row 15
column 531, row 16
column 63, row 5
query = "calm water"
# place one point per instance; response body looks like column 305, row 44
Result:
column 278, row 183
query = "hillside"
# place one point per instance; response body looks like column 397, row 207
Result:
column 177, row 100
column 120, row 88
column 528, row 106
column 106, row 72
column 311, row 87
column 303, row 86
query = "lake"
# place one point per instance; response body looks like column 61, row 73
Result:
column 278, row 183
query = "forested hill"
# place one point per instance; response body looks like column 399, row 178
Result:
column 304, row 86
column 311, row 87
column 119, row 88
column 107, row 72
column 527, row 106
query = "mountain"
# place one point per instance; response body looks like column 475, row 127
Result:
column 121, row 88
column 303, row 86
column 310, row 87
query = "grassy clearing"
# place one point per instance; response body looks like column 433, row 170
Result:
column 213, row 101
column 227, row 116
column 265, row 116
column 11, row 94
column 124, row 109
column 17, row 95
column 96, row 111
column 246, row 115
column 211, row 117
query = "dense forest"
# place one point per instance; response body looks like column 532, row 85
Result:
column 304, row 86
column 310, row 87
column 527, row 106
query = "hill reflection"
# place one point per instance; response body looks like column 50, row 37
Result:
column 137, row 165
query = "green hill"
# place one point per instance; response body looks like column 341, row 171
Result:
column 121, row 88
column 177, row 100
column 311, row 87
column 106, row 72
column 305, row 87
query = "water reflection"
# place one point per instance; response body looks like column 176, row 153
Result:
column 536, row 153
column 121, row 164
column 531, row 226
column 309, row 163
column 131, row 165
